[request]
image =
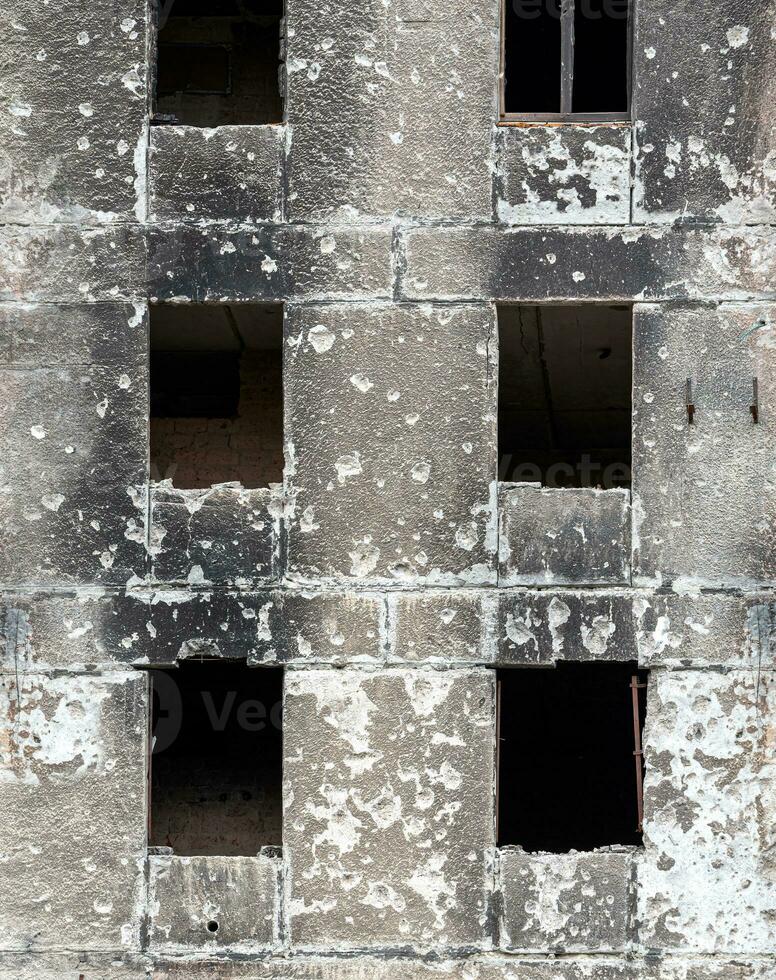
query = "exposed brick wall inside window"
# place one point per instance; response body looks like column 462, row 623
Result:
column 198, row 452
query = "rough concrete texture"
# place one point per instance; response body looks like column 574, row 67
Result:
column 551, row 536
column 389, row 786
column 225, row 535
column 490, row 968
column 209, row 903
column 230, row 173
column 564, row 175
column 73, row 417
column 390, row 213
column 73, row 780
column 704, row 495
column 391, row 109
column 393, row 412
column 567, row 903
column 706, row 879
column 712, row 155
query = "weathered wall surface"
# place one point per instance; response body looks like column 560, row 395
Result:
column 390, row 214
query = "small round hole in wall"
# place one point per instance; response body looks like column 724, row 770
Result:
column 212, row 926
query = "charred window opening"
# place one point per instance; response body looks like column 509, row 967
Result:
column 567, row 779
column 217, row 394
column 566, row 59
column 216, row 763
column 218, row 62
column 565, row 379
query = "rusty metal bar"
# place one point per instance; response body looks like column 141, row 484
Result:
column 502, row 69
column 754, row 408
column 149, row 758
column 638, row 754
column 567, row 12
column 690, row 403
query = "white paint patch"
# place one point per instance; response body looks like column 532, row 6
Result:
column 132, row 81
column 427, row 691
column 52, row 501
column 364, row 558
column 738, row 36
column 467, row 536
column 58, row 724
column 421, row 472
column 321, row 338
column 361, row 382
column 559, row 614
column 518, row 630
column 347, row 466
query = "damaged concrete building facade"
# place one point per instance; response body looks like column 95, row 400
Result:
column 388, row 459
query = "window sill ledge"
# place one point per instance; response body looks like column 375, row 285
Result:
column 528, row 121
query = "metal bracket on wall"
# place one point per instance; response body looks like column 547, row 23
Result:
column 690, row 403
column 754, row 408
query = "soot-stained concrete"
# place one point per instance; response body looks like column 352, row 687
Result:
column 392, row 570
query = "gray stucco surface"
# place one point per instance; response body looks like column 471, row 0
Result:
column 389, row 573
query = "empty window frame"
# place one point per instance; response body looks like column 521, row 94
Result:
column 565, row 379
column 218, row 62
column 569, row 753
column 216, row 761
column 216, row 394
column 566, row 60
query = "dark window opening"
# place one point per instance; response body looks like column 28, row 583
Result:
column 217, row 394
column 532, row 56
column 567, row 779
column 566, row 59
column 565, row 378
column 216, row 763
column 600, row 57
column 218, row 62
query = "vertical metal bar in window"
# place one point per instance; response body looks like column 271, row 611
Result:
column 502, row 59
column 567, row 12
column 149, row 758
column 631, row 28
column 638, row 754
column 498, row 749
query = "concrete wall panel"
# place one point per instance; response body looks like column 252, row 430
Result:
column 393, row 415
column 390, row 776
